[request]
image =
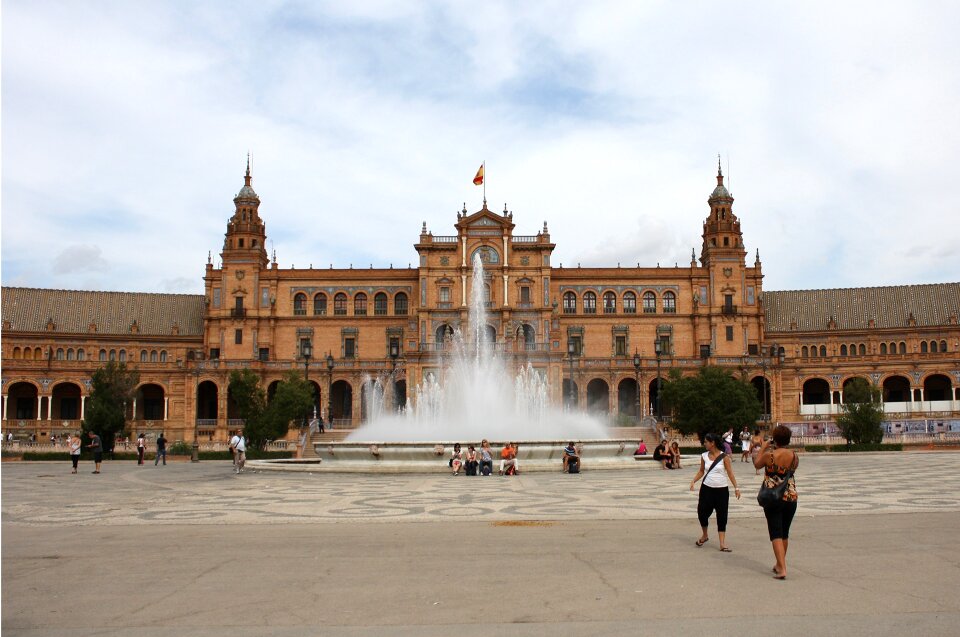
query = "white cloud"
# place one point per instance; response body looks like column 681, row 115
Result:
column 365, row 120
column 77, row 259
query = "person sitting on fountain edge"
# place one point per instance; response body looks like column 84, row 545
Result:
column 508, row 459
column 570, row 456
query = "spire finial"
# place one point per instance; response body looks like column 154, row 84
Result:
column 719, row 169
column 246, row 176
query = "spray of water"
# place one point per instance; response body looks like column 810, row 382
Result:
column 472, row 391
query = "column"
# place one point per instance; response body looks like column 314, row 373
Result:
column 50, row 407
column 83, row 407
column 39, row 405
column 463, row 290
column 506, row 296
column 5, row 413
column 166, row 407
column 463, row 251
column 133, row 414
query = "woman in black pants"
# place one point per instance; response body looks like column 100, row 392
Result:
column 717, row 474
column 776, row 461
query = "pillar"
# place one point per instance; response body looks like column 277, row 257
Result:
column 463, row 290
column 39, row 405
column 506, row 295
column 6, row 416
column 166, row 407
column 50, row 407
column 83, row 407
column 133, row 414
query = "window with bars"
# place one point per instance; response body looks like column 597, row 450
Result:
column 569, row 303
column 589, row 303
column 400, row 304
column 669, row 303
column 629, row 303
column 380, row 304
column 340, row 304
column 649, row 303
column 300, row 304
column 320, row 304
column 360, row 304
column 609, row 303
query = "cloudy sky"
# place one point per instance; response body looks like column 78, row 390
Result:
column 125, row 128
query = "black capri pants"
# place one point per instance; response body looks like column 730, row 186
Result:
column 713, row 499
column 779, row 517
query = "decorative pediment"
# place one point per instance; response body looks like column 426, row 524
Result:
column 484, row 219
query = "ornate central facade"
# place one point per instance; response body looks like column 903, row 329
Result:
column 600, row 335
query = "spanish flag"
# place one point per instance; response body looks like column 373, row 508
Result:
column 478, row 180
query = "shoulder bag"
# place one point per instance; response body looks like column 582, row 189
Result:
column 769, row 496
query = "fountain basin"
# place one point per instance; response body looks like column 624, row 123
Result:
column 434, row 456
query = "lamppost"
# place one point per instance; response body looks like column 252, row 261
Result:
column 571, row 350
column 195, row 450
column 658, row 348
column 330, row 389
column 636, row 373
column 306, row 351
column 394, row 353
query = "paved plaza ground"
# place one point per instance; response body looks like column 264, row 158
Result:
column 193, row 549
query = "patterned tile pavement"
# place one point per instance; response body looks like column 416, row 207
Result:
column 210, row 493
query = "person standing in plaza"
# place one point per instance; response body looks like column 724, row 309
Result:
column 96, row 446
column 744, row 444
column 240, row 453
column 778, row 463
column 717, row 473
column 234, row 441
column 141, row 448
column 161, row 450
column 75, row 443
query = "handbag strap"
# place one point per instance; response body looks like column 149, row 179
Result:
column 715, row 463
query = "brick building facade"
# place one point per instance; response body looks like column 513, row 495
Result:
column 594, row 332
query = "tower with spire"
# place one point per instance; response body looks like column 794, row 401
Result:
column 246, row 234
column 722, row 239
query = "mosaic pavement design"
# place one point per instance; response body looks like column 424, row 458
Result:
column 210, row 493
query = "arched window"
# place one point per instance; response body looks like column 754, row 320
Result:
column 487, row 255
column 843, row 350
column 589, row 303
column 27, row 354
column 113, row 354
column 943, row 346
column 163, row 356
column 823, row 350
column 933, row 347
column 153, row 356
column 123, row 356
column 60, row 354
column 299, row 304
column 143, row 356
column 16, row 353
column 569, row 303
column 883, row 348
column 70, row 354
column 320, row 304
column 923, row 347
column 649, row 303
column 609, row 303
column 669, row 303
column 804, row 352
column 340, row 304
column 629, row 303
column 863, row 349
column 380, row 304
column 81, row 355
column 903, row 347
column 400, row 304
column 893, row 348
column 360, row 304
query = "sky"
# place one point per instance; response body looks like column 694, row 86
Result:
column 126, row 127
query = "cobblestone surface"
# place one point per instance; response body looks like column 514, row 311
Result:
column 43, row 493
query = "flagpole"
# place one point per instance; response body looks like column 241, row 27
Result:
column 484, row 183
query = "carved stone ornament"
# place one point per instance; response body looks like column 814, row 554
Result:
column 241, row 274
column 728, row 272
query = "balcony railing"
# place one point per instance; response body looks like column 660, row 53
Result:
column 238, row 312
column 728, row 310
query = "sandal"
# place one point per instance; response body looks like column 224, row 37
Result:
column 703, row 541
column 726, row 549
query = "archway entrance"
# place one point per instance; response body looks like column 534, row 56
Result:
column 149, row 402
column 627, row 399
column 207, row 407
column 22, row 402
column 598, row 396
column 66, row 401
column 341, row 402
column 896, row 389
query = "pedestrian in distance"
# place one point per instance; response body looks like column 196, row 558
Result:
column 717, row 473
column 141, row 448
column 95, row 446
column 75, row 443
column 233, row 448
column 778, row 464
column 241, row 453
column 745, row 444
column 161, row 450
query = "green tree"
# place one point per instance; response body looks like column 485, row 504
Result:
column 247, row 394
column 713, row 400
column 112, row 388
column 269, row 421
column 861, row 417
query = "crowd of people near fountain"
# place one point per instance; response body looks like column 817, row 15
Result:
column 476, row 462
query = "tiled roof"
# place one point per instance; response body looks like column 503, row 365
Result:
column 852, row 308
column 72, row 311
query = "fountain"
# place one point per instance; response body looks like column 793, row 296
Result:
column 471, row 394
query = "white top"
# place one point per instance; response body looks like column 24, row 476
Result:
column 241, row 444
column 716, row 478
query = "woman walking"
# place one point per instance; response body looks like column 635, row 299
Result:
column 778, row 464
column 74, row 445
column 717, row 473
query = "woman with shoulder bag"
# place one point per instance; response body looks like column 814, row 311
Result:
column 717, row 473
column 778, row 493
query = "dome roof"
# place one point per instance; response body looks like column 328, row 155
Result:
column 247, row 192
column 720, row 192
